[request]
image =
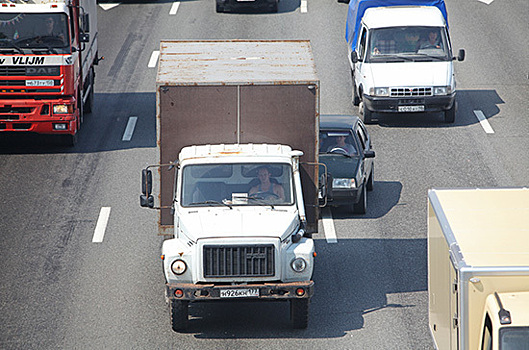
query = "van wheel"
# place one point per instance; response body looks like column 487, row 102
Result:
column 361, row 206
column 356, row 97
column 450, row 114
column 179, row 314
column 299, row 313
column 365, row 114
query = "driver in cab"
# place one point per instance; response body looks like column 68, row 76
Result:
column 341, row 146
column 267, row 188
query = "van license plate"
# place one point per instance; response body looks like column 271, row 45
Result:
column 239, row 293
column 419, row 108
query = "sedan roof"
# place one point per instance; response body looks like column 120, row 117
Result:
column 337, row 122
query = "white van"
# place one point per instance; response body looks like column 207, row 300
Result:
column 401, row 58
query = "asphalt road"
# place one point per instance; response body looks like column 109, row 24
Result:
column 58, row 289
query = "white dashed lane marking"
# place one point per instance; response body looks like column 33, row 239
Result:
column 129, row 130
column 174, row 8
column 101, row 225
column 154, row 59
column 328, row 225
column 484, row 122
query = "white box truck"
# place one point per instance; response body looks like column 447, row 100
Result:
column 237, row 122
column 401, row 57
column 478, row 268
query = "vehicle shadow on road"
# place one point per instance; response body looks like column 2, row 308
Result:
column 468, row 100
column 353, row 278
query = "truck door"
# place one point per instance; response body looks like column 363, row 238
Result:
column 361, row 51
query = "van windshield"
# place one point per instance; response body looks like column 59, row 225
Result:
column 34, row 33
column 236, row 184
column 400, row 44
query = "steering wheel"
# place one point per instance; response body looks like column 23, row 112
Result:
column 339, row 150
column 264, row 195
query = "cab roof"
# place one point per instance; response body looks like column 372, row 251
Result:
column 242, row 150
column 403, row 16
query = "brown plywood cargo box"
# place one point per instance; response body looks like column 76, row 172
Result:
column 238, row 91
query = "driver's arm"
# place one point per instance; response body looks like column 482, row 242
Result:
column 279, row 191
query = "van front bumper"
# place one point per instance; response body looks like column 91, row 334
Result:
column 409, row 104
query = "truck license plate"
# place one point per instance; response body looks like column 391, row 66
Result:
column 239, row 293
column 419, row 108
column 39, row 82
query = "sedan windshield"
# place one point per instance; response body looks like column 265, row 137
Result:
column 397, row 44
column 236, row 184
column 34, row 33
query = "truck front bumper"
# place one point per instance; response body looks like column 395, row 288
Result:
column 392, row 104
column 267, row 291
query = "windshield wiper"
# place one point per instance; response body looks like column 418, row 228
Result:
column 211, row 202
column 261, row 201
column 13, row 46
column 425, row 55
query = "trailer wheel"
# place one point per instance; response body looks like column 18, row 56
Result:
column 361, row 206
column 299, row 313
column 179, row 314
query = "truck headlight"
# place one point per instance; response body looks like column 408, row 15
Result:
column 442, row 90
column 178, row 267
column 343, row 183
column 379, row 91
column 62, row 109
column 298, row 265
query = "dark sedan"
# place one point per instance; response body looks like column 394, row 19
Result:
column 346, row 150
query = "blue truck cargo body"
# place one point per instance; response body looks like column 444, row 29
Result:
column 357, row 9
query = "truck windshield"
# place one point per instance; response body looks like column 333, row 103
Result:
column 34, row 33
column 396, row 44
column 243, row 184
column 514, row 338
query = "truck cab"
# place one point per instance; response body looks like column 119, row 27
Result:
column 239, row 229
column 505, row 321
column 401, row 58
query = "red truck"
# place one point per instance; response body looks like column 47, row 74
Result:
column 48, row 50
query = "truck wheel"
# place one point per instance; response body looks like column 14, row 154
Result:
column 356, row 98
column 299, row 313
column 365, row 114
column 450, row 114
column 361, row 206
column 179, row 314
column 69, row 140
column 88, row 106
column 371, row 181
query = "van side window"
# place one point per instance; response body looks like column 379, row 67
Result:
column 362, row 45
column 486, row 341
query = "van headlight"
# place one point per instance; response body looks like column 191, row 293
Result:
column 178, row 267
column 379, row 91
column 298, row 265
column 343, row 183
column 442, row 90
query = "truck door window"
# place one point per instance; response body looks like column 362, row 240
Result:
column 486, row 342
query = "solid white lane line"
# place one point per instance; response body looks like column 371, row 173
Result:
column 328, row 225
column 101, row 225
column 174, row 8
column 484, row 122
column 303, row 6
column 129, row 130
column 154, row 59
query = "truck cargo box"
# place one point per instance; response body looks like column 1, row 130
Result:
column 237, row 91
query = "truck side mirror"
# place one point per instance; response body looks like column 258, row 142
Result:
column 85, row 23
column 461, row 55
column 354, row 57
column 146, row 182
column 84, row 37
column 146, row 201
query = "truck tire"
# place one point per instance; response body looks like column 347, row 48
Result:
column 450, row 114
column 69, row 140
column 299, row 313
column 356, row 97
column 179, row 314
column 361, row 206
column 88, row 106
column 365, row 114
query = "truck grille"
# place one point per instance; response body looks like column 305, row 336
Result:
column 415, row 91
column 239, row 261
column 44, row 71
